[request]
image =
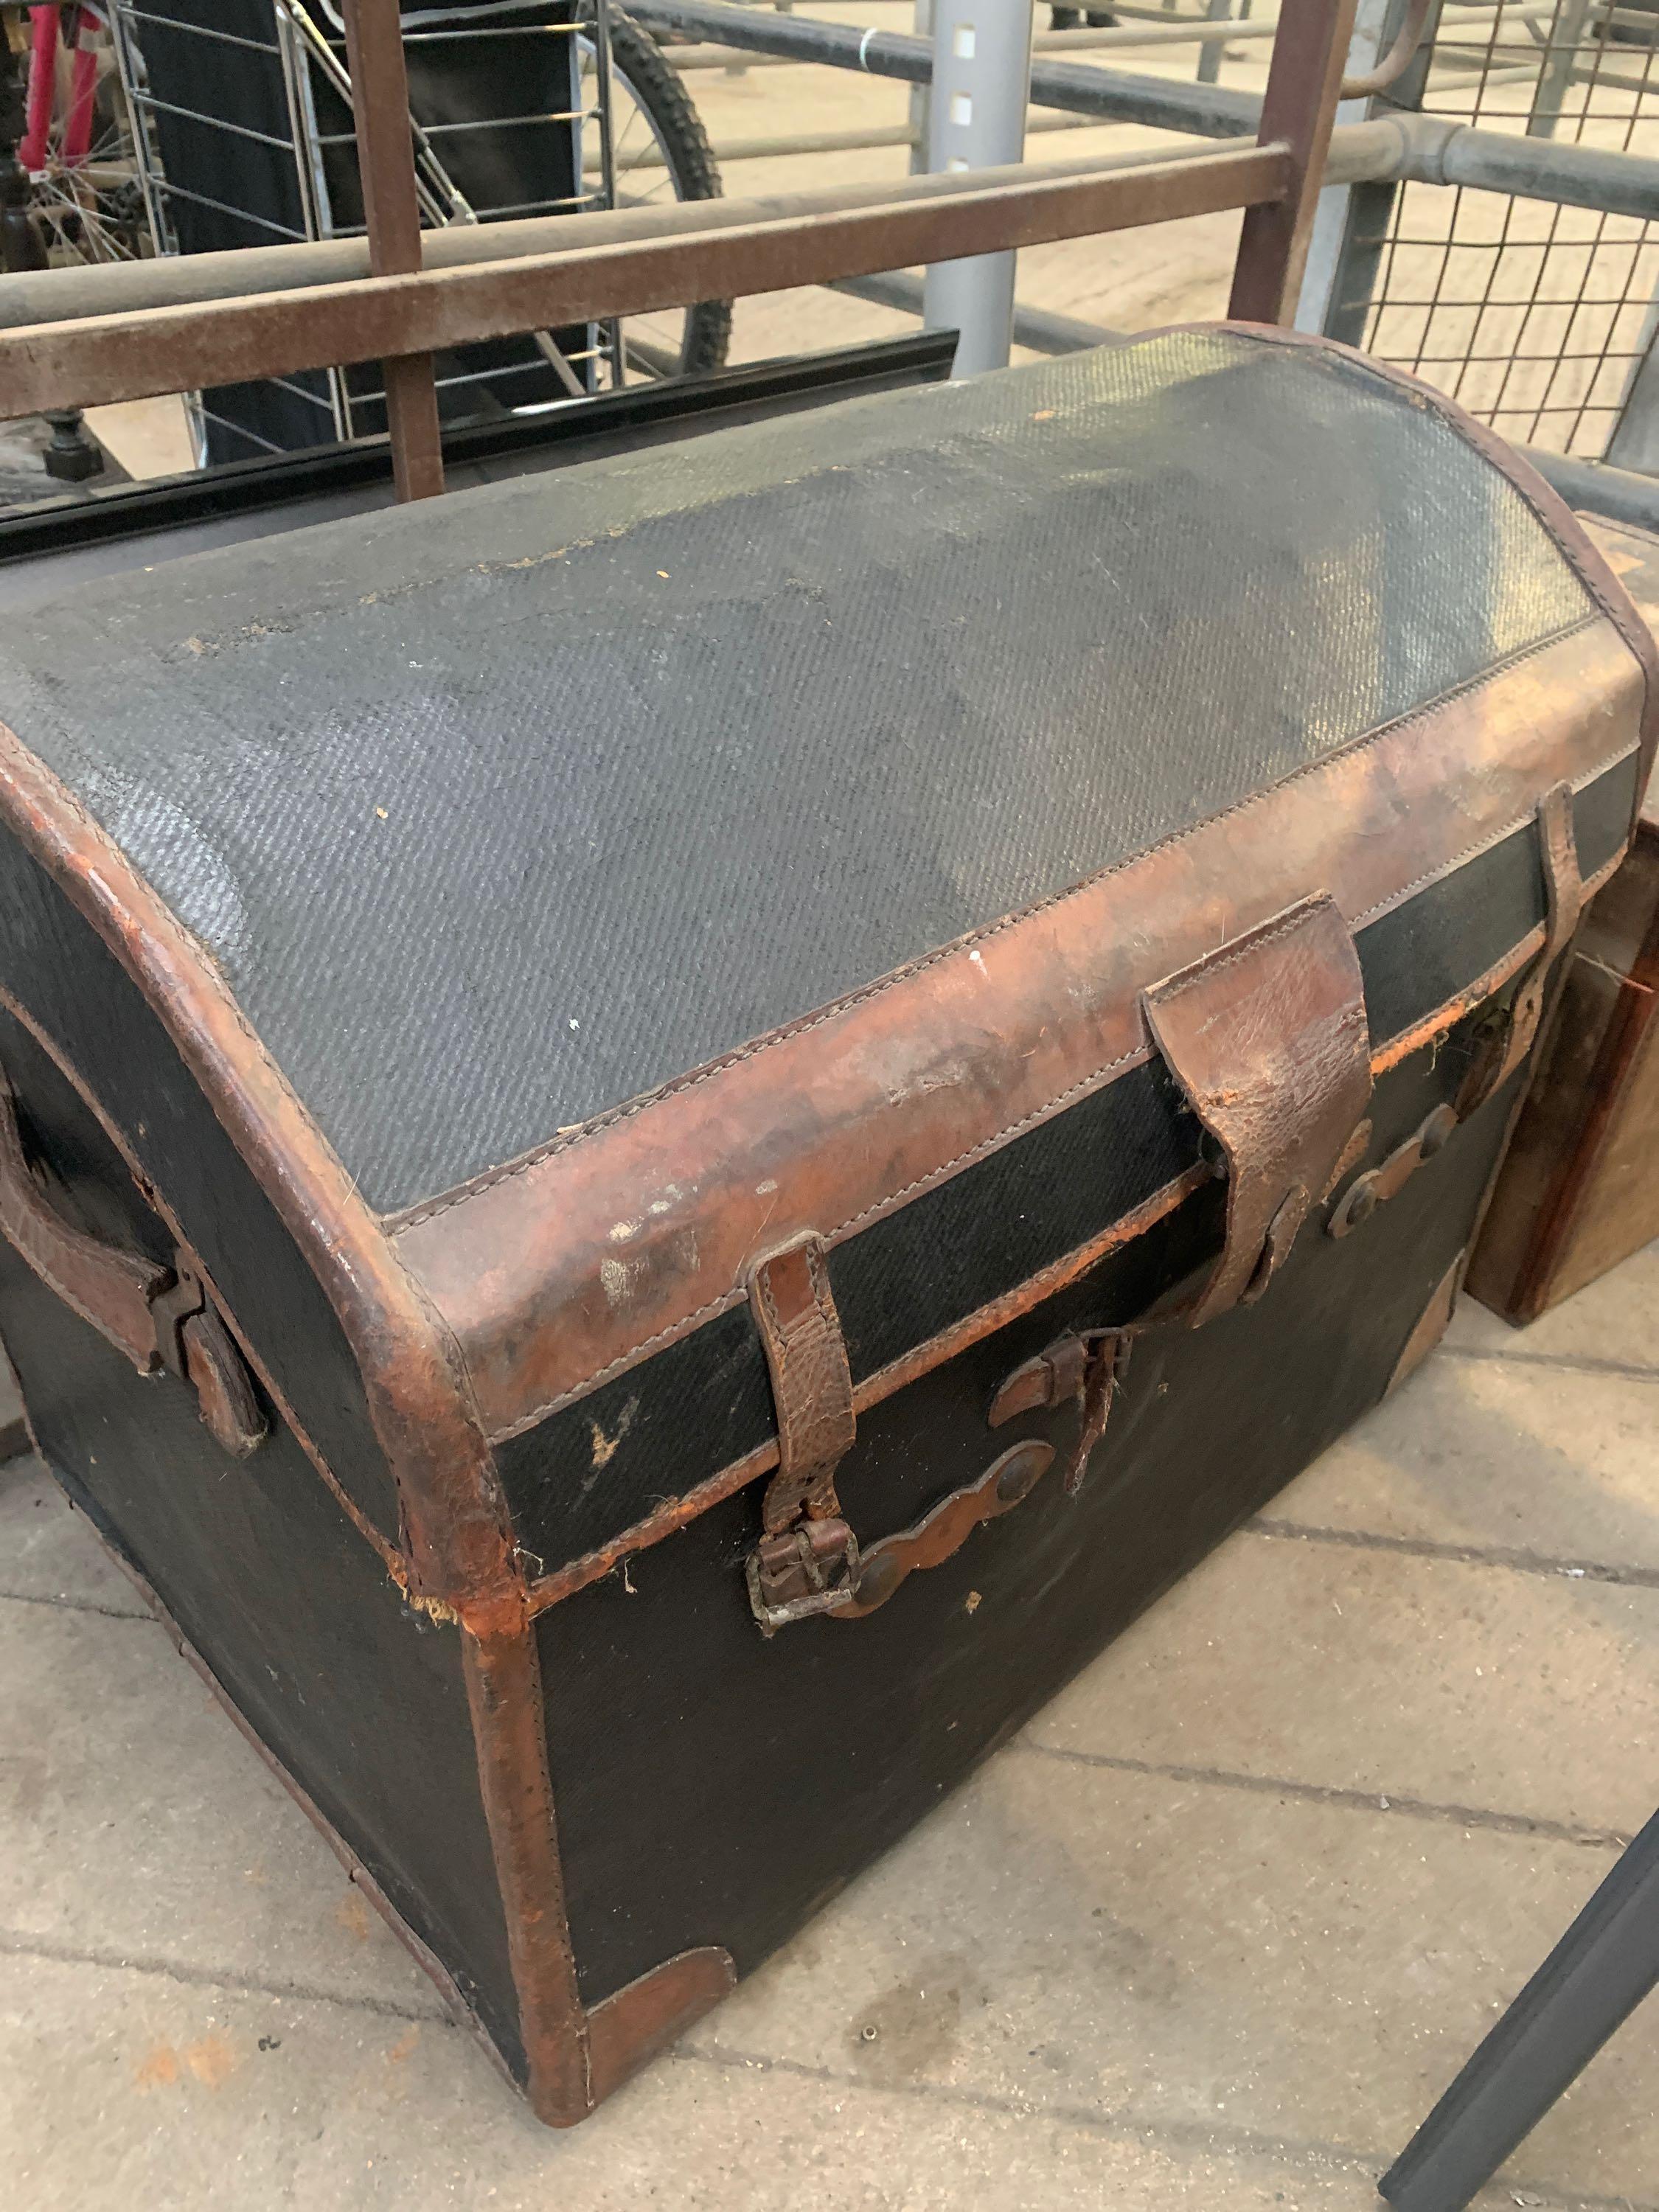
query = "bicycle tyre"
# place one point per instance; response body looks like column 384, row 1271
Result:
column 660, row 91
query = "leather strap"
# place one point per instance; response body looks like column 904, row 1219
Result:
column 1563, row 892
column 1267, row 1037
column 112, row 1289
column 812, row 1381
column 158, row 1317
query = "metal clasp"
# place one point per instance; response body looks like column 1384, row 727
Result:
column 811, row 1568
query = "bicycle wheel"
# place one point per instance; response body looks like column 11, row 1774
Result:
column 84, row 199
column 659, row 152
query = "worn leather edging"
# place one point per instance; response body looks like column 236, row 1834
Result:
column 399, row 1223
column 1387, row 1055
column 459, row 1556
column 1583, row 554
column 539, row 1276
column 548, row 1589
column 461, row 1563
column 576, row 2054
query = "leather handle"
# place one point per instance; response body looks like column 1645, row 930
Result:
column 158, row 1317
column 113, row 1290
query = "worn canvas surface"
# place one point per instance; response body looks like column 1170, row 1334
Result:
column 499, row 811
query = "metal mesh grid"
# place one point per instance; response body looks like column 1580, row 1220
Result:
column 1535, row 317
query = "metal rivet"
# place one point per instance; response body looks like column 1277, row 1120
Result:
column 1361, row 1202
column 1436, row 1130
column 879, row 1578
column 1023, row 1468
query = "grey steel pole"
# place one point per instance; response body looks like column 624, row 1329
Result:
column 981, row 84
column 922, row 23
column 1372, row 34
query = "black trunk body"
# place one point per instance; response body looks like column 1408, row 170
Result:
column 613, row 1014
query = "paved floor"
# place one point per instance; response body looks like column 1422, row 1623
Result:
column 1212, row 1932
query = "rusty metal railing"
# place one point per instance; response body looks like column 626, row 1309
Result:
column 606, row 266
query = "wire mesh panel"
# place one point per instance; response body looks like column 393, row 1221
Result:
column 1537, row 318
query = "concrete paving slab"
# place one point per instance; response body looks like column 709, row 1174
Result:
column 1066, row 1935
column 1420, row 1679
column 138, row 1823
column 1499, row 1456
column 1611, row 1321
column 1170, row 1948
column 1225, row 1995
column 50, row 1554
column 133, row 2090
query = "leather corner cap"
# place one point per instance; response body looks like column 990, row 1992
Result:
column 1267, row 1037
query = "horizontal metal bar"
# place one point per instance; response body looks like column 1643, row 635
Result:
column 1128, row 36
column 1618, row 494
column 729, row 57
column 1037, row 328
column 471, row 32
column 1436, row 151
column 58, row 295
column 1425, row 149
column 651, row 260
column 786, row 143
column 1162, row 103
column 154, row 107
column 1195, row 30
column 200, row 31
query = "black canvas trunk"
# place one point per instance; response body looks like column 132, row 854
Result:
column 672, row 1134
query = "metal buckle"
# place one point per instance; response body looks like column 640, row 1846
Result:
column 170, row 1309
column 811, row 1568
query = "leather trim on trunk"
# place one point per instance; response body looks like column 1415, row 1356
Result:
column 553, row 1283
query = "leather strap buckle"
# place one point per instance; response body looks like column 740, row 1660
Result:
column 811, row 1568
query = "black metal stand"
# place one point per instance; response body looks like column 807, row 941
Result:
column 1594, row 1979
column 72, row 457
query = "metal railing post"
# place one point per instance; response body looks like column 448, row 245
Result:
column 1298, row 111
column 385, row 162
column 920, row 101
column 981, row 84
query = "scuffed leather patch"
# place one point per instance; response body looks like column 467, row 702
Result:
column 1268, row 1039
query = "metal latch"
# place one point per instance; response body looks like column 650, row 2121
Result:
column 811, row 1568
column 194, row 1344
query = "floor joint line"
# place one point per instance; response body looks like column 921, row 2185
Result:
column 1218, row 2137
column 15, row 1944
column 1629, row 1370
column 1322, row 1793
column 1512, row 1560
column 75, row 1605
